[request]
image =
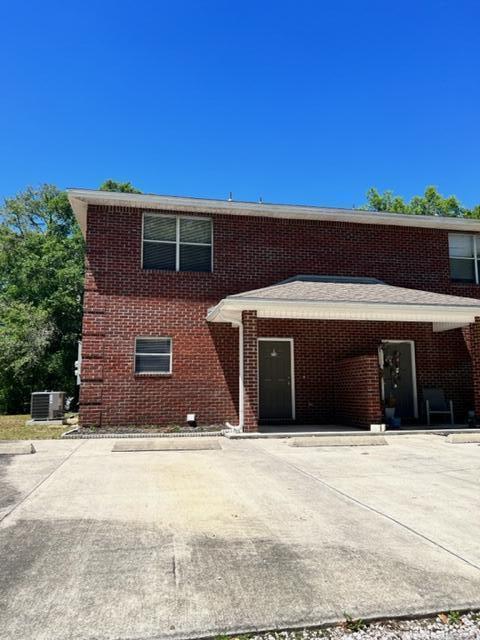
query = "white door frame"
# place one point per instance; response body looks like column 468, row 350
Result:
column 292, row 370
column 414, row 371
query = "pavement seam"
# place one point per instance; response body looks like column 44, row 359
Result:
column 39, row 484
column 443, row 472
column 372, row 509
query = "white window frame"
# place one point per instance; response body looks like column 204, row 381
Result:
column 476, row 251
column 177, row 241
column 153, row 373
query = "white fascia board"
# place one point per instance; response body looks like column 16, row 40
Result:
column 228, row 310
column 80, row 210
column 221, row 313
column 81, row 198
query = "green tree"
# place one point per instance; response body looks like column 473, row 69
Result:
column 41, row 286
column 25, row 336
column 386, row 201
column 474, row 212
column 430, row 203
column 113, row 185
column 41, row 281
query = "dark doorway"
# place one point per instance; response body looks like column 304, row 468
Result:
column 275, row 379
column 399, row 377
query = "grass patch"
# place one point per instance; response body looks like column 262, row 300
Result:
column 14, row 428
column 353, row 625
column 451, row 617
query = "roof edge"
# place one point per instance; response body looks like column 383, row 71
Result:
column 246, row 302
column 330, row 279
column 81, row 198
column 230, row 310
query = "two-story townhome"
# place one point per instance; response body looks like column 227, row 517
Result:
column 255, row 314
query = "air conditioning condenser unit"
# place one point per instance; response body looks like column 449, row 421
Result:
column 48, row 405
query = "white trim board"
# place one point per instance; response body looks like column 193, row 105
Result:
column 443, row 317
column 81, row 198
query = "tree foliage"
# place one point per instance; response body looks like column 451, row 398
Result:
column 431, row 203
column 113, row 185
column 41, row 277
column 25, row 335
column 41, row 286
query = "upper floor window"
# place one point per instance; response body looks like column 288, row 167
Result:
column 464, row 250
column 177, row 243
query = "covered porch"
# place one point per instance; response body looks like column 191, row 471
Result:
column 330, row 352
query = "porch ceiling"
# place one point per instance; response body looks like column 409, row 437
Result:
column 345, row 298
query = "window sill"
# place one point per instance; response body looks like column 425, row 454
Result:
column 457, row 283
column 152, row 375
column 173, row 272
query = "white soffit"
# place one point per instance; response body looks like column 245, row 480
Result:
column 443, row 317
column 81, row 198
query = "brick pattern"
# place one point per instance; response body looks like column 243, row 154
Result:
column 250, row 377
column 257, row 252
column 123, row 301
column 93, row 344
column 475, row 351
column 357, row 391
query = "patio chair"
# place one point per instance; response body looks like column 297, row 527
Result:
column 437, row 404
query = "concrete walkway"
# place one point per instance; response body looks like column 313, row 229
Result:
column 254, row 535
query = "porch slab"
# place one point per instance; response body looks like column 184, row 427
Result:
column 261, row 435
column 309, row 428
column 339, row 441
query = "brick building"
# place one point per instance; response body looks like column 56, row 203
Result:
column 258, row 314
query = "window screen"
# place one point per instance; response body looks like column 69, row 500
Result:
column 153, row 355
column 463, row 257
column 177, row 243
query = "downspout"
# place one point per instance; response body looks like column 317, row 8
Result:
column 241, row 388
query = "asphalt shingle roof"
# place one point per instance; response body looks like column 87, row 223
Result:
column 344, row 289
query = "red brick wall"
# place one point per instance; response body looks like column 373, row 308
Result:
column 123, row 301
column 204, row 377
column 475, row 351
column 357, row 391
column 254, row 252
column 250, row 359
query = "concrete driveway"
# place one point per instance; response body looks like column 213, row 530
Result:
column 255, row 535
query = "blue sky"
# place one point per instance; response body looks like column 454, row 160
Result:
column 301, row 102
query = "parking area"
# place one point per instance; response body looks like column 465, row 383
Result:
column 256, row 534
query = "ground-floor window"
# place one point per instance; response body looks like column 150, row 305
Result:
column 153, row 355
